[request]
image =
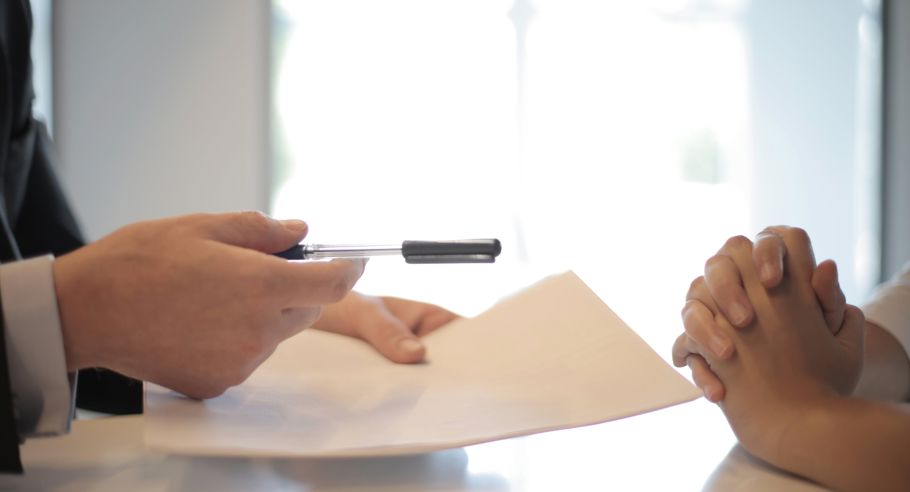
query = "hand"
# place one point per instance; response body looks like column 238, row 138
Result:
column 720, row 291
column 787, row 359
column 193, row 303
column 391, row 325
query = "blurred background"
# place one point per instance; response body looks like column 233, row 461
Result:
column 625, row 140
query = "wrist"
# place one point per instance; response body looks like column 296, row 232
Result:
column 772, row 430
column 75, row 339
column 804, row 426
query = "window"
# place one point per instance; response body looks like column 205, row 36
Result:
column 625, row 140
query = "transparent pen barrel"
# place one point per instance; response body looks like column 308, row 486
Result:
column 315, row 251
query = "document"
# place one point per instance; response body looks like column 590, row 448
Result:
column 553, row 356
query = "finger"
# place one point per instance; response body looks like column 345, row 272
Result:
column 800, row 259
column 421, row 317
column 685, row 346
column 391, row 338
column 830, row 296
column 254, row 230
column 725, row 283
column 768, row 254
column 315, row 283
column 295, row 320
column 681, row 351
column 749, row 289
column 698, row 291
column 705, row 379
column 702, row 329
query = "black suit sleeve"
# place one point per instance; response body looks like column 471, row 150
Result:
column 45, row 223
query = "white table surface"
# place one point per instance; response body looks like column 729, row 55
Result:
column 687, row 447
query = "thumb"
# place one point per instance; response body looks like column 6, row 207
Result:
column 392, row 338
column 829, row 294
column 255, row 230
column 853, row 330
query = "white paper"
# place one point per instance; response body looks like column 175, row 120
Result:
column 551, row 357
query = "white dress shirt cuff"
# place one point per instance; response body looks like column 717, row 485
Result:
column 43, row 392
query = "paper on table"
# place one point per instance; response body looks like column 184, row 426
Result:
column 551, row 357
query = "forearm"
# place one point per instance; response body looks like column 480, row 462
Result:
column 886, row 368
column 849, row 444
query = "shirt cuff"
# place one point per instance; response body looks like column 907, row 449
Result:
column 890, row 307
column 43, row 392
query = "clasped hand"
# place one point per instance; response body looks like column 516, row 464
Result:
column 768, row 334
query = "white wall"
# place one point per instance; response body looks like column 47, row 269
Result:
column 161, row 107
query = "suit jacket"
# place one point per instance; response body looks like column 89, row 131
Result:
column 35, row 217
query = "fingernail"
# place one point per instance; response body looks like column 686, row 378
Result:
column 410, row 345
column 738, row 314
column 719, row 346
column 767, row 273
column 294, row 225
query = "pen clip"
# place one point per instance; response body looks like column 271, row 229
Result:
column 459, row 251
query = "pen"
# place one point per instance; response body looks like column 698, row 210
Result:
column 457, row 251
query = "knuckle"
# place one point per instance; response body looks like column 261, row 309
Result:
column 855, row 312
column 713, row 262
column 798, row 234
column 687, row 308
column 775, row 231
column 736, row 243
column 697, row 284
column 256, row 219
column 694, row 328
